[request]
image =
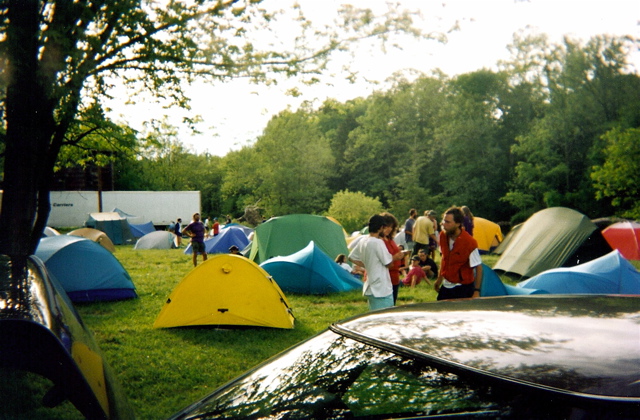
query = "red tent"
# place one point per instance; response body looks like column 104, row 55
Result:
column 625, row 237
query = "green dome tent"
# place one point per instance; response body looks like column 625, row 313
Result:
column 285, row 235
column 551, row 238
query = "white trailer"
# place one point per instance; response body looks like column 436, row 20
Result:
column 72, row 208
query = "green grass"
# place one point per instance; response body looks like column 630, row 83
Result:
column 164, row 370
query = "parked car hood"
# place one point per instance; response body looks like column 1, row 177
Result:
column 588, row 346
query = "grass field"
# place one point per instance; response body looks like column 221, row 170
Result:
column 164, row 370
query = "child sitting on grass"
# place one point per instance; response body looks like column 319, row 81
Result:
column 416, row 274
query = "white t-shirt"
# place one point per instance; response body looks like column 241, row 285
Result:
column 474, row 261
column 345, row 266
column 374, row 254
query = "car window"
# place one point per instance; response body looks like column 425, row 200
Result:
column 335, row 377
column 331, row 377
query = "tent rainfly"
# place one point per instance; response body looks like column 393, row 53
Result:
column 96, row 236
column 507, row 239
column 625, row 237
column 610, row 274
column 49, row 231
column 552, row 238
column 285, row 235
column 493, row 286
column 226, row 290
column 86, row 270
column 138, row 231
column 220, row 244
column 487, row 233
column 159, row 239
column 310, row 271
column 115, row 226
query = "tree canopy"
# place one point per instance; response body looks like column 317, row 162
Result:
column 60, row 60
column 539, row 132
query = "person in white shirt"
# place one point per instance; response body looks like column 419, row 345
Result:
column 371, row 254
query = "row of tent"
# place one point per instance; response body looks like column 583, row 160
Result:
column 296, row 253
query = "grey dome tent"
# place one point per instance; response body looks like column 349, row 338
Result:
column 159, row 239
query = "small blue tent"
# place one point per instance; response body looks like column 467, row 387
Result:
column 220, row 244
column 138, row 231
column 493, row 286
column 610, row 274
column 247, row 230
column 86, row 270
column 310, row 271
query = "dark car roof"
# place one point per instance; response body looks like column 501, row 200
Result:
column 585, row 346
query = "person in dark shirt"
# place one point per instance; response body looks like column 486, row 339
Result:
column 429, row 266
column 196, row 230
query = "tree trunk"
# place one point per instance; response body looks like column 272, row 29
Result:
column 29, row 116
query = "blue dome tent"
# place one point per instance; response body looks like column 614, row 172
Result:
column 86, row 270
column 610, row 274
column 220, row 244
column 310, row 271
column 138, row 231
column 493, row 286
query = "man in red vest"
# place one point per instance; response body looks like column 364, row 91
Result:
column 461, row 267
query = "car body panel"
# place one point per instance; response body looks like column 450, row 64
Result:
column 572, row 344
column 507, row 357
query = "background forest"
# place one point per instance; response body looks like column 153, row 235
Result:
column 556, row 125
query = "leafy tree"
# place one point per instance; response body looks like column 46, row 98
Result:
column 295, row 165
column 475, row 154
column 336, row 121
column 353, row 209
column 240, row 180
column 60, row 56
column 618, row 179
column 390, row 154
column 585, row 97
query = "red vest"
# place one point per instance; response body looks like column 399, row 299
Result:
column 455, row 263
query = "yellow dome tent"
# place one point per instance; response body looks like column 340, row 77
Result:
column 226, row 290
column 486, row 233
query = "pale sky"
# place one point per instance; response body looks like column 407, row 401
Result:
column 235, row 113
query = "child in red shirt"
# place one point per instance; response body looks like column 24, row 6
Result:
column 416, row 274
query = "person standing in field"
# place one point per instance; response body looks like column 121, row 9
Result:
column 468, row 220
column 461, row 266
column 423, row 230
column 371, row 254
column 195, row 230
column 388, row 233
column 178, row 231
column 433, row 241
column 408, row 229
column 215, row 229
column 207, row 227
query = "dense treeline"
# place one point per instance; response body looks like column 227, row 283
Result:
column 558, row 125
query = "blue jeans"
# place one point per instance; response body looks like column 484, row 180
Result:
column 380, row 302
